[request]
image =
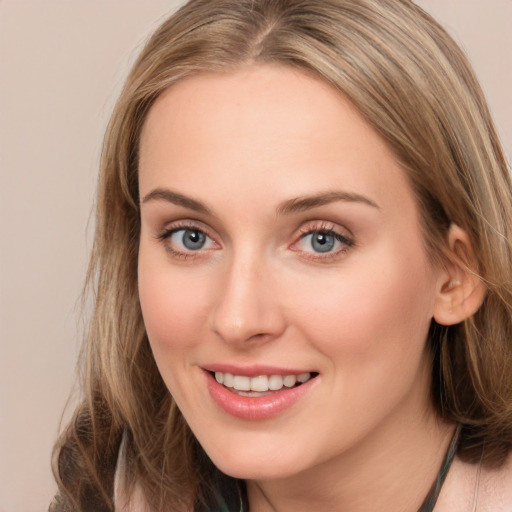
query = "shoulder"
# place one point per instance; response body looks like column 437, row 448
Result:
column 495, row 490
column 471, row 487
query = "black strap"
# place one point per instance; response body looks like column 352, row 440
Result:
column 430, row 500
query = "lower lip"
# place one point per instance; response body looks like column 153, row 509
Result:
column 256, row 408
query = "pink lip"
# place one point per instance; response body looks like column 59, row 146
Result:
column 260, row 407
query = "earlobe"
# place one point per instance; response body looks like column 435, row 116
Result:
column 460, row 290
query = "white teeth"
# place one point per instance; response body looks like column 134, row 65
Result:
column 228, row 380
column 261, row 383
column 275, row 382
column 303, row 377
column 289, row 381
column 242, row 383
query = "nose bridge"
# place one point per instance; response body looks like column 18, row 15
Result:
column 246, row 308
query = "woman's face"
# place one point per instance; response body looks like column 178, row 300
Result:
column 281, row 242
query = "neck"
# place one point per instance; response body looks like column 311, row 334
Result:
column 390, row 470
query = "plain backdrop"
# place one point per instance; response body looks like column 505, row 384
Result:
column 62, row 63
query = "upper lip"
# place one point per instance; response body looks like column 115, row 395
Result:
column 253, row 370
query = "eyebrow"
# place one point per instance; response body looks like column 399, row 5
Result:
column 164, row 194
column 288, row 207
column 304, row 203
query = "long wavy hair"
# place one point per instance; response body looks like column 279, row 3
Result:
column 413, row 84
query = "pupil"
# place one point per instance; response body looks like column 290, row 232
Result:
column 193, row 240
column 322, row 242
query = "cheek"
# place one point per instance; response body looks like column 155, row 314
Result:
column 173, row 306
column 375, row 308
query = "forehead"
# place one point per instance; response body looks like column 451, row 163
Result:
column 266, row 131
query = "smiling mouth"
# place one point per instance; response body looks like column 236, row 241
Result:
column 261, row 385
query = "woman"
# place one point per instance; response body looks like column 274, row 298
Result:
column 302, row 272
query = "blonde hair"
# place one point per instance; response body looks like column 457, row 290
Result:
column 409, row 79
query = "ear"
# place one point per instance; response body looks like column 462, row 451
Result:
column 460, row 291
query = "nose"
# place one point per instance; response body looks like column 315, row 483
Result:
column 247, row 308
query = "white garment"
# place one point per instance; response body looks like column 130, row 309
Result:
column 122, row 502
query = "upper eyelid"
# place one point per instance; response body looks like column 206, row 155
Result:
column 305, row 229
column 186, row 224
column 327, row 226
column 339, row 231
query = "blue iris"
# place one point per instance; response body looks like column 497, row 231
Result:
column 322, row 242
column 193, row 240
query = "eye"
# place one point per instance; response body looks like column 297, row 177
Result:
column 189, row 239
column 322, row 242
column 184, row 241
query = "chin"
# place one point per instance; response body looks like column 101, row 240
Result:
column 253, row 471
column 265, row 465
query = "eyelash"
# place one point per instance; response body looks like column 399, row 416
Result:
column 167, row 233
column 329, row 229
column 324, row 228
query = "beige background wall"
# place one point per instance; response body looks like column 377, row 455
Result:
column 61, row 66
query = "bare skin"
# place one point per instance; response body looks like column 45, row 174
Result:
column 473, row 488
